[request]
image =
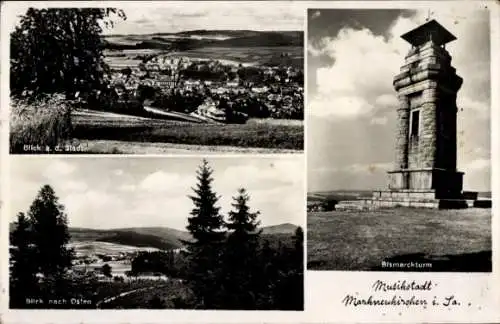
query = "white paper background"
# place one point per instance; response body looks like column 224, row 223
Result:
column 324, row 290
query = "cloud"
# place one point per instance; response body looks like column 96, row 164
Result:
column 73, row 185
column 58, row 169
column 379, row 120
column 161, row 181
column 361, row 73
column 118, row 172
column 127, row 187
column 280, row 172
column 387, row 100
column 480, row 109
column 176, row 16
column 359, row 82
column 352, row 103
column 151, row 193
column 341, row 106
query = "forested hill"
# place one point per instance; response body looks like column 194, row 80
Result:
column 159, row 237
column 206, row 38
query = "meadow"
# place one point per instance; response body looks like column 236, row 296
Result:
column 451, row 240
column 254, row 55
column 252, row 134
column 170, row 294
column 228, row 55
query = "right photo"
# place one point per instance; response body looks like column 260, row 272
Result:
column 398, row 140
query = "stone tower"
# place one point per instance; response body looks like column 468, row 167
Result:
column 425, row 169
column 426, row 139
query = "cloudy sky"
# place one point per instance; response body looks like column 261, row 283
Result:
column 174, row 16
column 353, row 56
column 129, row 192
column 177, row 16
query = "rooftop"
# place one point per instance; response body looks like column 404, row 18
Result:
column 430, row 30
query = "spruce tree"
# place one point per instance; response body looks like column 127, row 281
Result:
column 241, row 255
column 297, row 272
column 206, row 226
column 23, row 270
column 50, row 237
column 269, row 274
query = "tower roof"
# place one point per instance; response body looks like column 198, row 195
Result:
column 423, row 33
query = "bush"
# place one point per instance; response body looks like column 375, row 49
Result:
column 106, row 100
column 43, row 122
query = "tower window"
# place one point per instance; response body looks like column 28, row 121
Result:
column 415, row 123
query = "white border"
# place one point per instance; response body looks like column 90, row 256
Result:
column 323, row 289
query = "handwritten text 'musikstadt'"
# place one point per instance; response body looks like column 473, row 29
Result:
column 402, row 285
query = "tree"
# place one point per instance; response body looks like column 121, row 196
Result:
column 241, row 254
column 59, row 50
column 23, row 281
column 204, row 251
column 156, row 303
column 106, row 270
column 298, row 244
column 297, row 281
column 50, row 234
column 289, row 293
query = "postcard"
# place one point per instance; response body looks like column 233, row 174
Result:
column 249, row 162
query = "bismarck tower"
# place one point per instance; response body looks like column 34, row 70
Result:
column 426, row 138
column 425, row 170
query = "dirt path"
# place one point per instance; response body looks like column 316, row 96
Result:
column 126, row 293
column 105, row 115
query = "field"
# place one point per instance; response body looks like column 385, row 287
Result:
column 227, row 55
column 249, row 55
column 450, row 240
column 106, row 247
column 145, row 130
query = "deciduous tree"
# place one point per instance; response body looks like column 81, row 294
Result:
column 106, row 270
column 50, row 234
column 59, row 50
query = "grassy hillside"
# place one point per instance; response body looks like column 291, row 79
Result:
column 130, row 237
column 158, row 237
column 450, row 240
column 285, row 228
column 161, row 131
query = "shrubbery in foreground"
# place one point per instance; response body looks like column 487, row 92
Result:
column 40, row 122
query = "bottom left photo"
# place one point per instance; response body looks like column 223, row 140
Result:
column 156, row 233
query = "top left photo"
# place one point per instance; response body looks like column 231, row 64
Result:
column 164, row 78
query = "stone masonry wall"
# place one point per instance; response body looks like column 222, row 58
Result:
column 403, row 115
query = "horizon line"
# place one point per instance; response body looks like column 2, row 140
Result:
column 382, row 189
column 203, row 29
column 159, row 226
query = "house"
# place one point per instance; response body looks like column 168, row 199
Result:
column 260, row 89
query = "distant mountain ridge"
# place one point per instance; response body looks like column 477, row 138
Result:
column 163, row 238
column 186, row 40
column 203, row 32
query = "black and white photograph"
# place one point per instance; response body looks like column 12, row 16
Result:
column 156, row 233
column 171, row 77
column 398, row 140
